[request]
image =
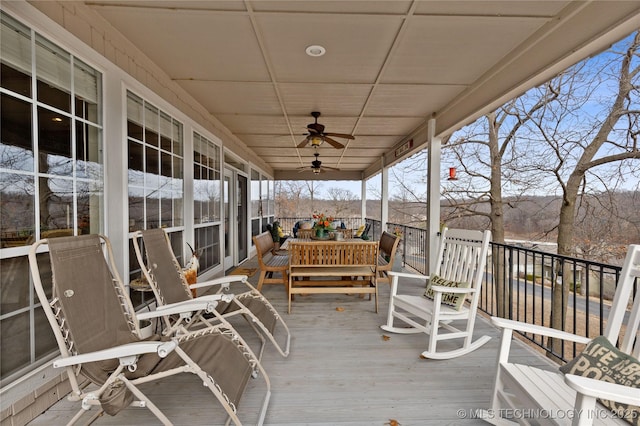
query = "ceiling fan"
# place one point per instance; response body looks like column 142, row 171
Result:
column 317, row 135
column 316, row 166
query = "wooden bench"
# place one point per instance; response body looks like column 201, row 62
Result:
column 270, row 262
column 333, row 267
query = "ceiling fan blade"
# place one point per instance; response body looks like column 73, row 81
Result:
column 333, row 143
column 303, row 143
column 331, row 168
column 310, row 169
column 340, row 135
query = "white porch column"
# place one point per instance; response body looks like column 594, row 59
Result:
column 116, row 200
column 363, row 203
column 384, row 202
column 433, row 195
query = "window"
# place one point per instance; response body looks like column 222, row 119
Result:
column 206, row 200
column 155, row 176
column 256, row 204
column 206, row 180
column 51, row 174
column 267, row 200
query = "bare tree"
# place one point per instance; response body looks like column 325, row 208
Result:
column 342, row 201
column 296, row 198
column 313, row 187
column 592, row 131
column 587, row 134
column 491, row 154
column 408, row 202
column 289, row 197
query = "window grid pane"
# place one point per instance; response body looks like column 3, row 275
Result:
column 155, row 169
column 206, row 165
column 59, row 193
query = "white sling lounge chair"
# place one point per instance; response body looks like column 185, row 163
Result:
column 600, row 386
column 439, row 311
column 98, row 335
column 164, row 274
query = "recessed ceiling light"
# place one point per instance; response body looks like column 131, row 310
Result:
column 315, row 50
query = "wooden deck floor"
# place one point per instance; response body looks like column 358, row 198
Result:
column 341, row 371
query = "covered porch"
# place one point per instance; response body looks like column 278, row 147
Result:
column 251, row 101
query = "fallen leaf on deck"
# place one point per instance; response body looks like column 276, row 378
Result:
column 392, row 422
column 340, row 309
column 385, row 337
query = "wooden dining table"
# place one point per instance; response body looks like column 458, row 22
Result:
column 330, row 266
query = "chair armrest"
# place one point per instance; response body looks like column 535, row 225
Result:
column 603, row 390
column 445, row 289
column 394, row 276
column 224, row 282
column 408, row 275
column 538, row 329
column 128, row 354
column 206, row 303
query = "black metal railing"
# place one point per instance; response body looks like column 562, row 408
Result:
column 412, row 247
column 533, row 286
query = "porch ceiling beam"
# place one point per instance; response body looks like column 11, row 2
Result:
column 308, row 175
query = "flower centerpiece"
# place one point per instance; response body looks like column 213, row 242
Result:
column 322, row 225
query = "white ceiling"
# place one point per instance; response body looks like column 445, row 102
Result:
column 388, row 67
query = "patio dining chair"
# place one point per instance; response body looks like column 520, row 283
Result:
column 447, row 308
column 98, row 335
column 270, row 261
column 163, row 272
column 387, row 254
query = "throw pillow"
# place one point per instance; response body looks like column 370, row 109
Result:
column 452, row 299
column 603, row 361
column 306, row 225
column 360, row 231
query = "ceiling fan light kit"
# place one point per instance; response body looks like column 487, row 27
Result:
column 316, row 141
column 316, row 166
column 317, row 135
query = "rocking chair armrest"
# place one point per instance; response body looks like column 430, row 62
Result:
column 127, row 354
column 394, row 276
column 206, row 303
column 603, row 390
column 445, row 289
column 538, row 329
column 223, row 282
column 408, row 275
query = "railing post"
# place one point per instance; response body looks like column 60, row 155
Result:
column 509, row 288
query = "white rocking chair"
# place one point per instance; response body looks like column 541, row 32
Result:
column 462, row 258
column 572, row 396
